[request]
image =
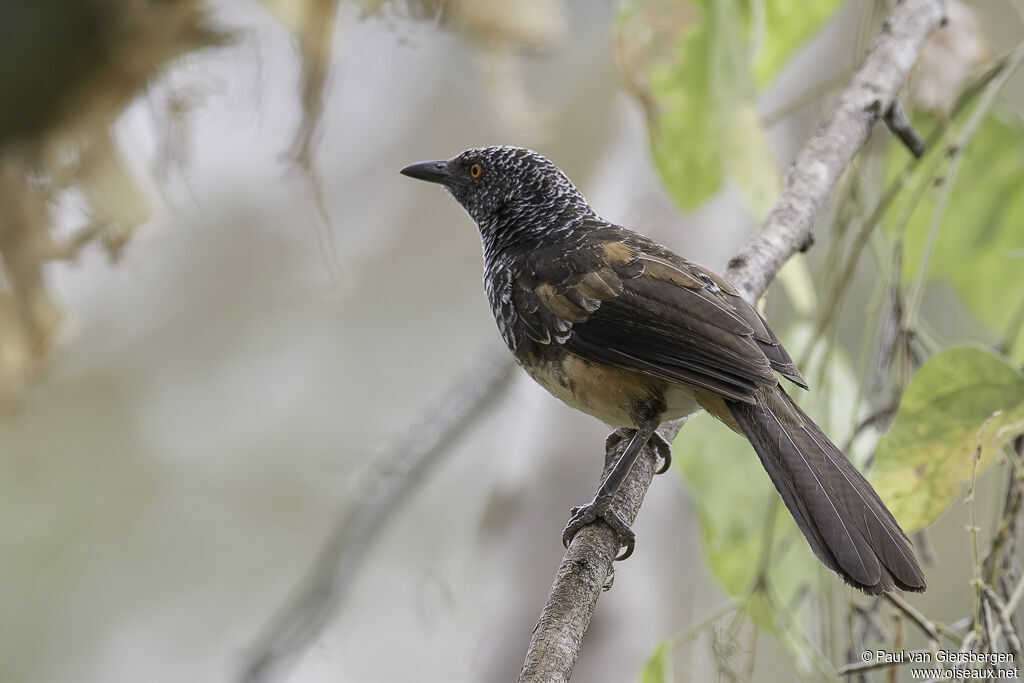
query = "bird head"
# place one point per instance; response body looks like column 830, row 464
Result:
column 510, row 192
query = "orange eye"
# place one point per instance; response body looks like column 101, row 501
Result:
column 476, row 170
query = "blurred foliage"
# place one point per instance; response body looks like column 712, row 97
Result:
column 493, row 25
column 67, row 70
column 526, row 24
column 964, row 401
column 947, row 59
column 501, row 33
column 72, row 63
column 751, row 543
column 311, row 22
column 751, row 162
column 953, row 216
column 658, row 668
column 696, row 67
column 784, row 27
column 733, row 500
column 980, row 246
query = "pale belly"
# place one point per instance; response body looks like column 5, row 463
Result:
column 609, row 394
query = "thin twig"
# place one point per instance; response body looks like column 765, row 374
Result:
column 805, row 98
column 973, row 528
column 897, row 122
column 1015, row 598
column 875, row 664
column 867, row 228
column 1000, row 556
column 570, row 605
column 1002, row 619
column 922, row 622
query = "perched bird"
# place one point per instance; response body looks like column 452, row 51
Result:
column 620, row 327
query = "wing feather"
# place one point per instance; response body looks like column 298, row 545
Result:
column 635, row 305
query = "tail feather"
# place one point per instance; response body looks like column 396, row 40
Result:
column 845, row 522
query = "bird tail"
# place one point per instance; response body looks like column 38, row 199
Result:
column 845, row 522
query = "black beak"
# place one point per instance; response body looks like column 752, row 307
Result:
column 431, row 171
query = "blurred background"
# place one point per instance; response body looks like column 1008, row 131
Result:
column 229, row 329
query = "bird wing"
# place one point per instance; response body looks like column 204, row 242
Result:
column 633, row 304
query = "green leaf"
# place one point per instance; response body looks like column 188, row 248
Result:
column 658, row 668
column 694, row 95
column 980, row 247
column 692, row 67
column 787, row 24
column 732, row 495
column 961, row 400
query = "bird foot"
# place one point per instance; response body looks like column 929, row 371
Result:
column 663, row 447
column 582, row 515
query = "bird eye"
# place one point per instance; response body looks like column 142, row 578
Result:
column 476, row 170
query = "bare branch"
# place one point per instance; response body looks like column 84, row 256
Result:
column 923, row 622
column 586, row 567
column 379, row 491
column 831, row 149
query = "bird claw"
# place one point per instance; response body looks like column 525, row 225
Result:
column 663, row 447
column 582, row 515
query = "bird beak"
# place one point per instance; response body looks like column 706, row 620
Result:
column 431, row 171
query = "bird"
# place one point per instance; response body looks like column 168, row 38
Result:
column 622, row 328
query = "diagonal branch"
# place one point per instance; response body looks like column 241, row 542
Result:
column 380, row 488
column 586, row 567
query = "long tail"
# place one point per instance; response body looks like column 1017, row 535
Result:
column 846, row 523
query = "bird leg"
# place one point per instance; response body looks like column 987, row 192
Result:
column 663, row 447
column 601, row 506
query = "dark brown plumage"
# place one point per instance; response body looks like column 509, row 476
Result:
column 620, row 327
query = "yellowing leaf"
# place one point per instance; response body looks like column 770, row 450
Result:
column 960, row 400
